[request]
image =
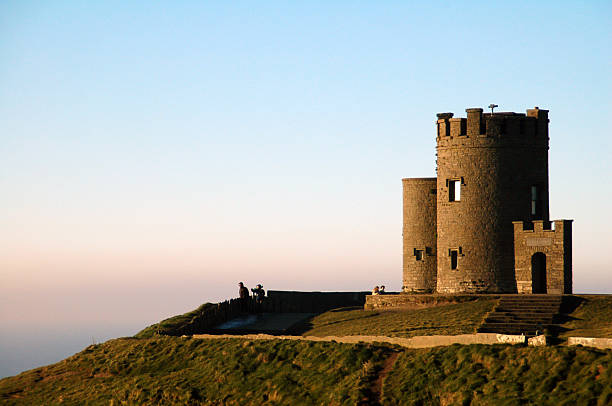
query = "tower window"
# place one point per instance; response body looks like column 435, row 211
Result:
column 418, row 254
column 454, row 254
column 536, row 206
column 454, row 190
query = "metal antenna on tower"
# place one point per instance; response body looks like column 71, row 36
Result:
column 492, row 106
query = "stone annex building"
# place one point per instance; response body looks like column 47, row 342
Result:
column 482, row 225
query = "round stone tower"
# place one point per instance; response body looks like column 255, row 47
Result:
column 419, row 235
column 492, row 170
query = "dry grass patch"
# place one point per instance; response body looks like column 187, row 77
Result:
column 500, row 375
column 450, row 319
column 592, row 318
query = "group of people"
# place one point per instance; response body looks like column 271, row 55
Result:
column 243, row 293
column 379, row 290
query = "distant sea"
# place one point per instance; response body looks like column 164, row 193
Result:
column 23, row 348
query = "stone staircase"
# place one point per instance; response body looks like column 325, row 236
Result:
column 524, row 314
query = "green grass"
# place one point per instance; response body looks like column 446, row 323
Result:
column 500, row 375
column 592, row 318
column 186, row 371
column 451, row 319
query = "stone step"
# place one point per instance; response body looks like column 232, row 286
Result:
column 522, row 322
column 513, row 329
column 533, row 298
column 523, row 315
column 515, row 318
column 531, row 305
column 526, row 309
column 525, row 332
column 517, row 325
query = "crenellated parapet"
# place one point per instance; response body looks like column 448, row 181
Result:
column 486, row 129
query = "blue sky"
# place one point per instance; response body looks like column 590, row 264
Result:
column 170, row 149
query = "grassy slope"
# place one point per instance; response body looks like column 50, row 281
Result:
column 452, row 319
column 593, row 318
column 167, row 325
column 500, row 375
column 173, row 370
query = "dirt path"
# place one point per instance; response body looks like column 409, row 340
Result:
column 377, row 385
column 413, row 342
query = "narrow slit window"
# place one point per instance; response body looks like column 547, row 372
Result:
column 454, row 190
column 535, row 202
column 454, row 254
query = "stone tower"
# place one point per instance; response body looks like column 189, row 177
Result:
column 492, row 170
column 419, row 233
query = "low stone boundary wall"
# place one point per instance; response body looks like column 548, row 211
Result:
column 603, row 343
column 537, row 341
column 205, row 319
column 416, row 301
column 207, row 316
column 413, row 342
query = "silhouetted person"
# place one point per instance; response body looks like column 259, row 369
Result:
column 376, row 290
column 258, row 294
column 381, row 291
column 243, row 293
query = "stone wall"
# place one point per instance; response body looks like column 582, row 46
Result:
column 603, row 343
column 208, row 316
column 410, row 301
column 538, row 237
column 496, row 159
column 419, row 235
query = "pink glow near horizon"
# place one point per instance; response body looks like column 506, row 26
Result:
column 203, row 143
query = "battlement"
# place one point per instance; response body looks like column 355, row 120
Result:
column 538, row 226
column 493, row 128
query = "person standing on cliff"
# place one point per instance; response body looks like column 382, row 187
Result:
column 259, row 293
column 243, row 294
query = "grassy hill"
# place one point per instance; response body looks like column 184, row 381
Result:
column 179, row 371
column 187, row 371
column 151, row 369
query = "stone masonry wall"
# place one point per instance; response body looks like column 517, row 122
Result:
column 411, row 301
column 556, row 244
column 419, row 234
column 497, row 159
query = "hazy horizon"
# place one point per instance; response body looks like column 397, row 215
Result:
column 153, row 155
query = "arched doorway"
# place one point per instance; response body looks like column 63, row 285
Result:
column 538, row 273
